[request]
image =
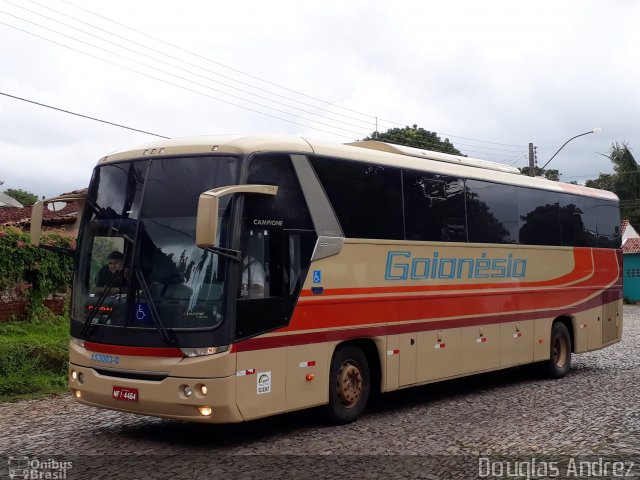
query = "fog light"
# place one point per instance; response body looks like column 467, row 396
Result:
column 81, row 378
column 204, row 390
column 78, row 394
column 187, row 391
column 74, row 374
column 205, row 411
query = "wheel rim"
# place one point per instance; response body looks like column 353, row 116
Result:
column 350, row 385
column 560, row 350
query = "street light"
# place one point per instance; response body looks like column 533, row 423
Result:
column 597, row 129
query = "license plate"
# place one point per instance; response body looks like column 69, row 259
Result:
column 125, row 393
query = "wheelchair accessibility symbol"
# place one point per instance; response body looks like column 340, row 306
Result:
column 142, row 313
column 317, row 276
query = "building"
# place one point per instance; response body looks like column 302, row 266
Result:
column 631, row 262
column 19, row 216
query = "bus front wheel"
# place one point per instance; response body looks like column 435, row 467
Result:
column 560, row 355
column 349, row 385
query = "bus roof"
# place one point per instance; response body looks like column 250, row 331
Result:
column 366, row 151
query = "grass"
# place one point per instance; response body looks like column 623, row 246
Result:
column 33, row 358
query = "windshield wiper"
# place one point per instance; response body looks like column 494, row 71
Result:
column 103, row 296
column 235, row 255
column 97, row 209
column 152, row 308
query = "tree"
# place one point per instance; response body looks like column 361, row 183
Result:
column 551, row 174
column 606, row 181
column 627, row 171
column 416, row 137
column 624, row 181
column 24, row 197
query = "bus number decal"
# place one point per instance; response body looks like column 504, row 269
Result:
column 264, row 382
column 102, row 358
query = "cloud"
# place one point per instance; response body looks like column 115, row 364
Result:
column 495, row 71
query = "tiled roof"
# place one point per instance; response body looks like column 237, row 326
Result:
column 632, row 245
column 22, row 216
column 624, row 225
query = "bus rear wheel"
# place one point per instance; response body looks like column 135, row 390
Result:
column 349, row 385
column 560, row 354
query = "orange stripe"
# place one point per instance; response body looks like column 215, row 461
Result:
column 351, row 312
column 305, row 338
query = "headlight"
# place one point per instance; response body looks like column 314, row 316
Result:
column 203, row 351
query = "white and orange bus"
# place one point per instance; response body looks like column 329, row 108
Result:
column 227, row 278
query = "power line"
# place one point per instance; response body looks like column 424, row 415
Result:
column 216, row 81
column 116, row 54
column 484, row 141
column 81, row 115
column 212, row 61
column 256, row 77
column 428, row 144
column 609, row 174
column 170, row 83
column 369, row 122
column 191, row 72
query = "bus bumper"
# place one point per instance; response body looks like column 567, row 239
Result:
column 163, row 398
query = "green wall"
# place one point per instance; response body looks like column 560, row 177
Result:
column 631, row 272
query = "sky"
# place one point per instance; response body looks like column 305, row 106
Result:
column 490, row 76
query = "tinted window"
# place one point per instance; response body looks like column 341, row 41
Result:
column 607, row 217
column 574, row 222
column 287, row 206
column 492, row 216
column 434, row 207
column 276, row 245
column 590, row 222
column 538, row 217
column 366, row 198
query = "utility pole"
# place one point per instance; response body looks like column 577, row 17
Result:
column 532, row 161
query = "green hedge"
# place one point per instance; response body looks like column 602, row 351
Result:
column 32, row 273
column 33, row 358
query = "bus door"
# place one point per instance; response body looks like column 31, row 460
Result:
column 271, row 272
column 276, row 244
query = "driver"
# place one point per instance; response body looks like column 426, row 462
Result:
column 111, row 273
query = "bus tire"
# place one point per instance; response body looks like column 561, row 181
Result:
column 560, row 351
column 349, row 385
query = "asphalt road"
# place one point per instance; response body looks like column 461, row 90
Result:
column 504, row 419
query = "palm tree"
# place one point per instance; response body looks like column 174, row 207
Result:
column 627, row 180
column 627, row 171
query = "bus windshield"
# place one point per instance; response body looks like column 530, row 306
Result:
column 138, row 262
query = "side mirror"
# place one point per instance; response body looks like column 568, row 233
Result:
column 208, row 204
column 38, row 210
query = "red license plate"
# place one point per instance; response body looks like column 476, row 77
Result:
column 125, row 393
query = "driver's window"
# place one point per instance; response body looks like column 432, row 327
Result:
column 107, row 264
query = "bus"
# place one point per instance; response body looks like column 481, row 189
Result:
column 227, row 278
